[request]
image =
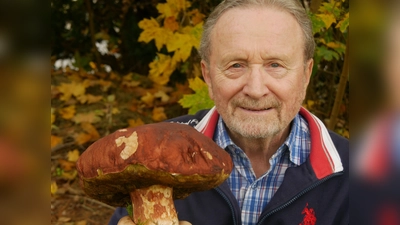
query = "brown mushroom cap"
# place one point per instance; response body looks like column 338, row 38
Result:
column 170, row 154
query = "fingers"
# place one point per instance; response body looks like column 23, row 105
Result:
column 126, row 220
column 184, row 223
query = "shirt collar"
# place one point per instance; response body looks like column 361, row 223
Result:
column 297, row 141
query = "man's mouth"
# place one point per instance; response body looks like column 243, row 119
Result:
column 256, row 109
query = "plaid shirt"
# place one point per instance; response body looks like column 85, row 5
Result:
column 254, row 194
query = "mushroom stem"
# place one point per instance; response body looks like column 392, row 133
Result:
column 154, row 205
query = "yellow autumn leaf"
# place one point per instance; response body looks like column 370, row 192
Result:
column 66, row 165
column 196, row 17
column 328, row 19
column 161, row 94
column 70, row 175
column 152, row 30
column 93, row 65
column 54, row 141
column 115, row 111
column 71, row 89
column 158, row 114
column 53, row 188
column 82, row 138
column 90, row 129
column 161, row 69
column 52, row 116
column 73, row 155
column 105, row 84
column 90, row 117
column 135, row 123
column 171, row 23
column 114, row 76
column 81, row 222
column 310, row 104
column 67, row 112
column 172, row 7
column 196, row 84
column 148, row 99
column 89, row 98
column 128, row 82
column 333, row 45
column 181, row 45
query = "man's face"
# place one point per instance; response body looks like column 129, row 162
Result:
column 256, row 74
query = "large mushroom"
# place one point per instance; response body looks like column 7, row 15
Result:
column 151, row 165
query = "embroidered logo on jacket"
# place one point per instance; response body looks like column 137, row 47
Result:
column 309, row 216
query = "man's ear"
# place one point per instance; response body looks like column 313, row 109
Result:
column 308, row 70
column 205, row 71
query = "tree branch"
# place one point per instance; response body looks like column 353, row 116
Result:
column 93, row 34
column 341, row 90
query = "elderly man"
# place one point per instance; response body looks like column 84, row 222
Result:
column 288, row 168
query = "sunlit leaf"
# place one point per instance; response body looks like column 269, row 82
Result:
column 82, row 138
column 328, row 19
column 161, row 94
column 152, row 30
column 172, row 7
column 53, row 187
column 135, row 123
column 81, row 222
column 66, row 165
column 171, row 23
column 90, row 129
column 158, row 114
column 196, row 17
column 67, row 112
column 73, row 155
column 52, row 116
column 71, row 89
column 55, row 141
column 70, row 175
column 89, row 98
column 344, row 23
column 115, row 111
column 332, row 7
column 200, row 99
column 90, row 117
column 148, row 99
column 161, row 69
column 93, row 65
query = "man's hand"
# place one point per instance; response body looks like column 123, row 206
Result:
column 126, row 220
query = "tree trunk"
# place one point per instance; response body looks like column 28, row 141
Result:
column 341, row 90
column 93, row 34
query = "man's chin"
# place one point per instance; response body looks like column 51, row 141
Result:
column 255, row 129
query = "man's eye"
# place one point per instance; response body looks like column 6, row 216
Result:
column 236, row 65
column 275, row 65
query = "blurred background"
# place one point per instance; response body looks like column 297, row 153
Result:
column 375, row 112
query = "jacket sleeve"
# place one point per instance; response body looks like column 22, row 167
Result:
column 118, row 214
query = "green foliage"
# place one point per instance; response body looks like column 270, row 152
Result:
column 129, row 208
column 200, row 99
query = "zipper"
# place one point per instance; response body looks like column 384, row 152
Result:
column 229, row 203
column 298, row 196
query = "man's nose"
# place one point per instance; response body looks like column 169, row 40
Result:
column 256, row 83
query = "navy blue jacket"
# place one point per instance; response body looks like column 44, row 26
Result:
column 315, row 192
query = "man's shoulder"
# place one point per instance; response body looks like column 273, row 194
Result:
column 342, row 146
column 191, row 120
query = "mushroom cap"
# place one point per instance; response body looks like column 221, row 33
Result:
column 170, row 154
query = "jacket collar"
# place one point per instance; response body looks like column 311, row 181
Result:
column 324, row 158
